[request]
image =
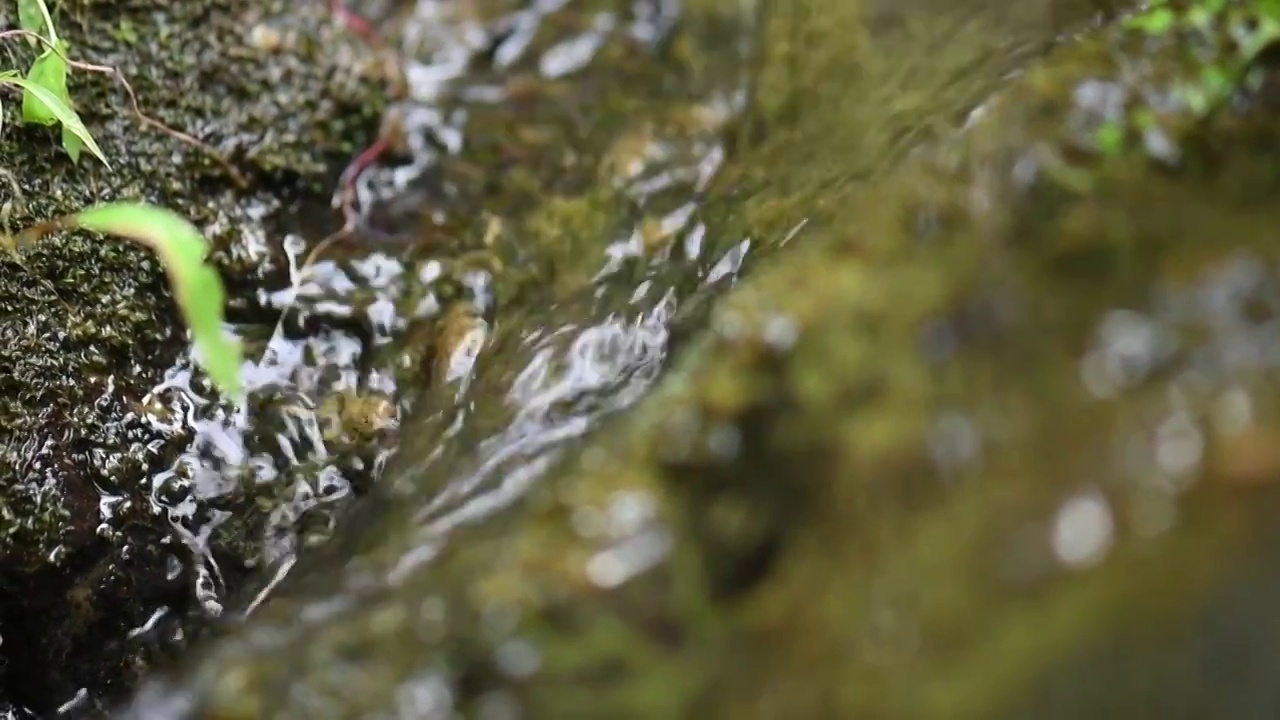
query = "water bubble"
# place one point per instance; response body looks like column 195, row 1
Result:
column 574, row 54
column 1160, row 146
column 1179, row 447
column 729, row 263
column 693, row 241
column 206, row 593
column 629, row 512
column 517, row 658
column 78, row 701
column 781, row 333
column 425, row 696
column 150, row 624
column 613, row 567
column 724, row 441
column 265, row 38
column 1083, row 530
column 607, row 570
column 954, row 441
column 1128, row 347
column 58, row 554
column 172, row 567
column 1232, row 411
column 729, row 325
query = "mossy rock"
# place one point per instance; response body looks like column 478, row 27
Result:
column 986, row 433
column 88, row 326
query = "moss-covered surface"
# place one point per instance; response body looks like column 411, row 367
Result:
column 87, row 326
column 989, row 436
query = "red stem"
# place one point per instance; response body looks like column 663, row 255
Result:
column 360, row 26
column 366, row 158
column 354, row 22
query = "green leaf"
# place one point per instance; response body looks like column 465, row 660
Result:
column 49, row 71
column 1153, row 22
column 196, row 286
column 1109, row 139
column 1270, row 9
column 65, row 114
column 31, row 16
column 71, row 144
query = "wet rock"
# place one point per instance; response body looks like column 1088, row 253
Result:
column 951, row 452
column 96, row 584
column 544, row 310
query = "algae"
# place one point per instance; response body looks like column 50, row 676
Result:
column 981, row 431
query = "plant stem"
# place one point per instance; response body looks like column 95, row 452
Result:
column 236, row 176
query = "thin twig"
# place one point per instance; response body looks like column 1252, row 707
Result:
column 357, row 167
column 367, row 157
column 357, row 23
column 363, row 162
column 40, row 229
column 336, row 236
column 11, row 243
column 145, row 119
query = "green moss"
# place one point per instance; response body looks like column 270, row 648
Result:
column 78, row 308
column 862, row 458
column 87, row 325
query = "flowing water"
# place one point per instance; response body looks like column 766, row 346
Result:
column 527, row 249
column 751, row 359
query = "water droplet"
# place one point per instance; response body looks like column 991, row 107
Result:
column 518, row 658
column 955, row 440
column 172, row 567
column 1083, row 530
column 781, row 333
column 725, row 441
column 1179, row 448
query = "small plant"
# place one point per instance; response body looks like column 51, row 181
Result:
column 1229, row 36
column 196, row 286
column 1214, row 47
column 45, row 99
column 180, row 247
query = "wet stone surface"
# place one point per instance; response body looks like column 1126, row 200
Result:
column 720, row 359
column 99, row 580
column 970, row 438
